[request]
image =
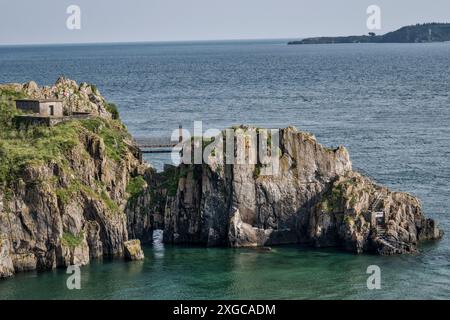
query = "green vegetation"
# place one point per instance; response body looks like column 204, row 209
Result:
column 112, row 206
column 112, row 133
column 66, row 194
column 349, row 220
column 326, row 206
column 76, row 187
column 94, row 88
column 353, row 200
column 72, row 240
column 257, row 171
column 7, row 105
column 21, row 148
column 427, row 32
column 332, row 200
column 170, row 178
column 335, row 198
column 136, row 186
column 35, row 146
column 112, row 108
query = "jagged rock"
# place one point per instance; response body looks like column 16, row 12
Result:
column 6, row 264
column 93, row 239
column 31, row 88
column 315, row 199
column 57, row 213
column 24, row 261
column 76, row 98
column 427, row 229
column 242, row 234
column 145, row 211
column 133, row 250
column 73, row 255
column 82, row 195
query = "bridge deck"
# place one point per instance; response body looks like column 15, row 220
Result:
column 155, row 145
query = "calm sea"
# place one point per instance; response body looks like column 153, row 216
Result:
column 388, row 103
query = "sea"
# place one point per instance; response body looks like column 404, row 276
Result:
column 389, row 104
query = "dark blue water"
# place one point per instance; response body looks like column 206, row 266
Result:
column 388, row 103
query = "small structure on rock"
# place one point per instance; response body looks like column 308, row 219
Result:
column 42, row 107
column 44, row 112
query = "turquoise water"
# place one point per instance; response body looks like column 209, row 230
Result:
column 220, row 273
column 388, row 103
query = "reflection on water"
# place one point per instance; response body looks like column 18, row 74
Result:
column 158, row 245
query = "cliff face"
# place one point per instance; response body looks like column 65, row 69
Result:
column 78, row 190
column 63, row 189
column 315, row 199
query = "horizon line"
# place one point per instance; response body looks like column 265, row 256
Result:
column 142, row 42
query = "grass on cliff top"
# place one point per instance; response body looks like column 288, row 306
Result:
column 113, row 134
column 40, row 144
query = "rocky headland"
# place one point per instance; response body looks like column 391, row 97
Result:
column 79, row 190
column 316, row 199
column 63, row 189
column 419, row 33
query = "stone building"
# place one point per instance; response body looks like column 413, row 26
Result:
column 41, row 107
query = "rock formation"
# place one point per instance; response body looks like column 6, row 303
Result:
column 133, row 250
column 316, row 199
column 63, row 189
column 79, row 190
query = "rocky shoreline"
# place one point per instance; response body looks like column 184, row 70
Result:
column 316, row 199
column 85, row 193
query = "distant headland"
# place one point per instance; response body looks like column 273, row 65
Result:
column 419, row 33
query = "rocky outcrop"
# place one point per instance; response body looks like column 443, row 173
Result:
column 144, row 211
column 133, row 250
column 76, row 98
column 64, row 203
column 6, row 264
column 316, row 199
column 347, row 215
column 79, row 190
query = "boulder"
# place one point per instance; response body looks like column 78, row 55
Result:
column 242, row 234
column 133, row 250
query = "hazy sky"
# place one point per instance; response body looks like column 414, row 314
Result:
column 44, row 21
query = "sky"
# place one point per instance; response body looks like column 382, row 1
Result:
column 44, row 21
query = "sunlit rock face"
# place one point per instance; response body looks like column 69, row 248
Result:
column 66, row 204
column 315, row 198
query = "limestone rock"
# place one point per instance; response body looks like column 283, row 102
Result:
column 93, row 239
column 24, row 262
column 242, row 234
column 316, row 198
column 76, row 98
column 144, row 211
column 81, row 198
column 133, row 250
column 31, row 88
column 6, row 264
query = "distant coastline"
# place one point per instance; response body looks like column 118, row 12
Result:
column 419, row 33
